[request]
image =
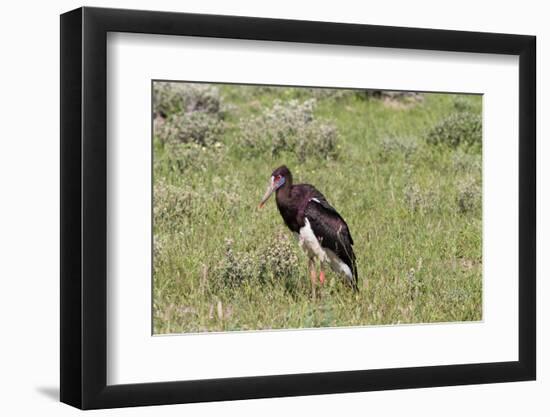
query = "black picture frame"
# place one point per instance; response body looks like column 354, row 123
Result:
column 84, row 207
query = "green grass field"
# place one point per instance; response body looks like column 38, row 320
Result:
column 404, row 172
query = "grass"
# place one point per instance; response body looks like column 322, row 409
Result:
column 413, row 207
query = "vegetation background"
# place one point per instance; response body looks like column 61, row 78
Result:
column 404, row 169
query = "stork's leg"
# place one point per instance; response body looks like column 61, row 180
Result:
column 313, row 277
column 321, row 278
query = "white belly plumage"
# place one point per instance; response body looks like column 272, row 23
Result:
column 313, row 249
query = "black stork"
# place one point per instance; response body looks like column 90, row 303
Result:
column 322, row 233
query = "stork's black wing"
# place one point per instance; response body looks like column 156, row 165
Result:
column 332, row 231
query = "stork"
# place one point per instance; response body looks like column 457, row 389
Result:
column 322, row 233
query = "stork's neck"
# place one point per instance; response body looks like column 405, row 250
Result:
column 288, row 207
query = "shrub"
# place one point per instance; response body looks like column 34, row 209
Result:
column 330, row 93
column 418, row 199
column 405, row 146
column 458, row 129
column 410, row 97
column 199, row 128
column 173, row 97
column 176, row 206
column 181, row 157
column 276, row 260
column 158, row 252
column 171, row 204
column 466, row 162
column 468, row 196
column 462, row 104
column 289, row 127
column 235, row 268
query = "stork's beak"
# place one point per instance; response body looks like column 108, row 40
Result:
column 268, row 192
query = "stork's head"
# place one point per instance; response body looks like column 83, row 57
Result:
column 279, row 178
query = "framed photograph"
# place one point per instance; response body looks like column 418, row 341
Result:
column 258, row 208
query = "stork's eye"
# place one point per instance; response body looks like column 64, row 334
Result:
column 279, row 180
